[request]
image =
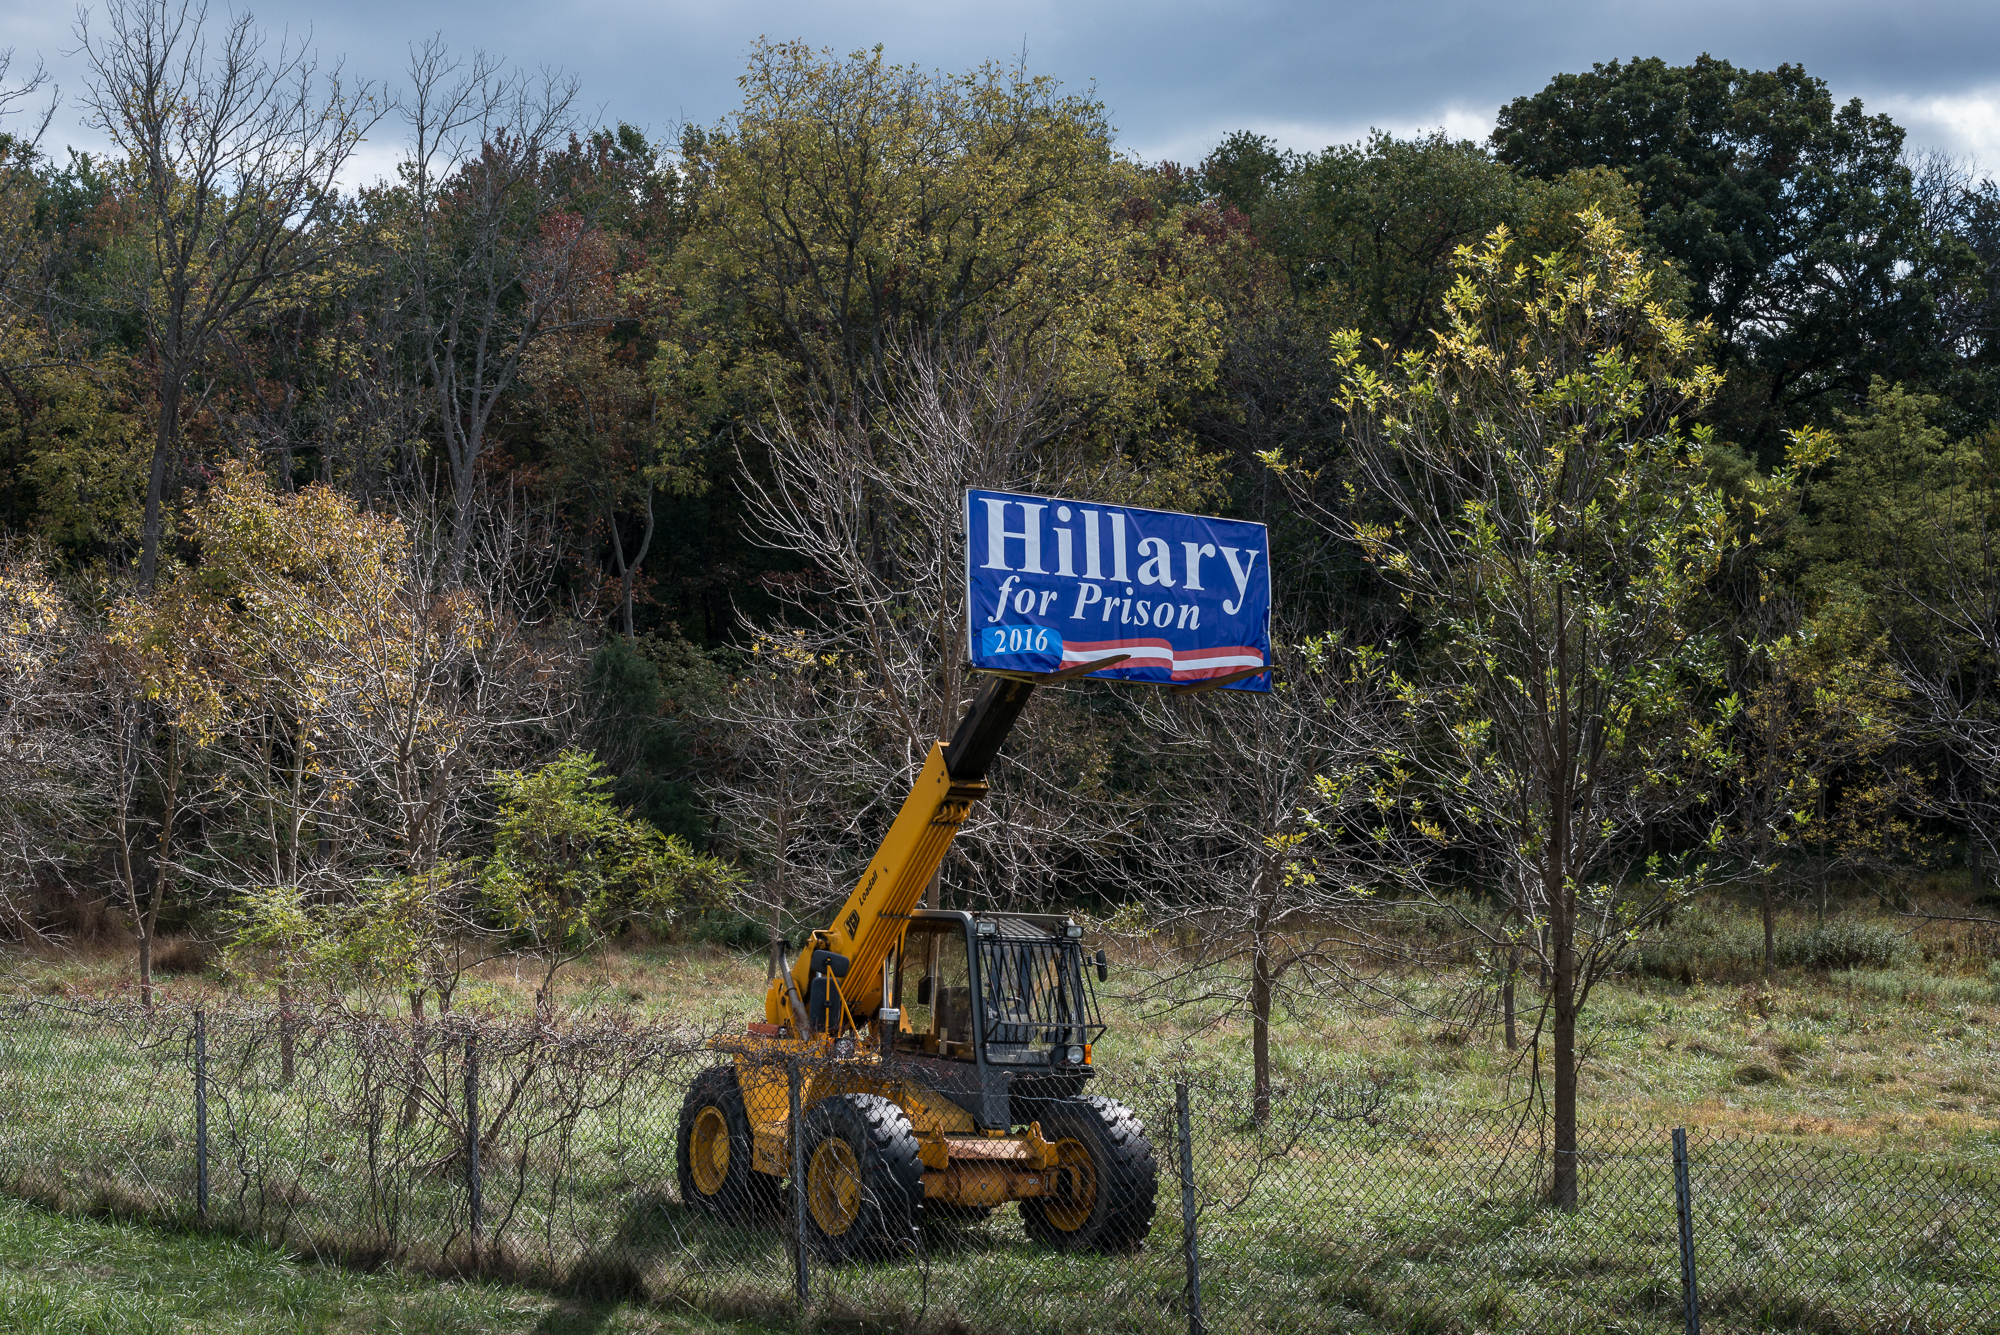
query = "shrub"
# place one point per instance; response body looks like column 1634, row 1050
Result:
column 182, row 954
column 1707, row 945
column 1841, row 943
column 728, row 928
column 1698, row 945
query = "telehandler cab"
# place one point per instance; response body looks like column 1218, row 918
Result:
column 942, row 1056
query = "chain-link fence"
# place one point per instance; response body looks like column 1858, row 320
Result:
column 617, row 1157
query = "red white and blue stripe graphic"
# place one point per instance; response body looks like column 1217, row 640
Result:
column 1182, row 664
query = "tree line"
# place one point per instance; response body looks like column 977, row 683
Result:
column 563, row 530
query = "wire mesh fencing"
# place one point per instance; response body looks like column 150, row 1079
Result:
column 617, row 1157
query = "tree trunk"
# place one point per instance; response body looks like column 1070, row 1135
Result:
column 628, row 570
column 145, row 965
column 1820, row 826
column 287, row 1053
column 153, row 526
column 1507, row 997
column 1563, row 1187
column 149, row 920
column 128, row 862
column 409, row 1113
column 1770, row 931
column 464, row 495
column 1976, row 849
column 1260, row 1032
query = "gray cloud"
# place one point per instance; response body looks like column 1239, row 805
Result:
column 1178, row 75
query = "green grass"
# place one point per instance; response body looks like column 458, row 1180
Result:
column 61, row 1275
column 1890, row 1030
column 1417, row 1218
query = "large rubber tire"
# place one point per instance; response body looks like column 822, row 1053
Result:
column 1106, row 1183
column 1032, row 1095
column 712, row 1153
column 864, row 1182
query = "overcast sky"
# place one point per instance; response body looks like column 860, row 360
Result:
column 1176, row 76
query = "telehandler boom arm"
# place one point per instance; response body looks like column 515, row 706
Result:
column 869, row 926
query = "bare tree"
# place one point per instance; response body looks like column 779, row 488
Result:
column 1280, row 819
column 52, row 771
column 154, row 677
column 869, row 670
column 44, row 767
column 1958, row 221
column 235, row 152
column 445, row 679
column 20, row 91
column 779, row 797
column 495, row 259
column 21, row 242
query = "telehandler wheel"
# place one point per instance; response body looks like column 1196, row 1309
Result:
column 713, row 1151
column 864, row 1181
column 1105, row 1179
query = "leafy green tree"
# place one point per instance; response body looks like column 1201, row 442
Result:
column 852, row 204
column 1904, row 525
column 1792, row 217
column 647, row 698
column 1242, row 172
column 1369, row 230
column 856, row 217
column 1360, row 235
column 407, row 935
column 569, row 867
column 1818, row 710
column 72, row 447
column 1551, row 529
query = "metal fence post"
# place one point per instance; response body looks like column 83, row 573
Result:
column 1684, row 1207
column 201, row 1116
column 474, row 1202
column 801, row 1280
column 286, row 1046
column 1190, row 1249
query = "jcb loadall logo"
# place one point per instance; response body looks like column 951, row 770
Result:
column 1054, row 584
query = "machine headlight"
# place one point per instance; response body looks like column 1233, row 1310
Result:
column 1076, row 1056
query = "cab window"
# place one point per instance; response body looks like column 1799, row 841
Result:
column 934, row 990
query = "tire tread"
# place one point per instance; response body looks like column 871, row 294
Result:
column 1127, row 1179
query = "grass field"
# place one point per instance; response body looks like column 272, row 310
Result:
column 67, row 1276
column 1904, row 1048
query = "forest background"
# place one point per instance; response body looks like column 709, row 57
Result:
column 562, row 535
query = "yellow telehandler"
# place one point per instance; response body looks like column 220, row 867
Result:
column 942, row 1057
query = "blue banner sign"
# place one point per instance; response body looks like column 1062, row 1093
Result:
column 1054, row 584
